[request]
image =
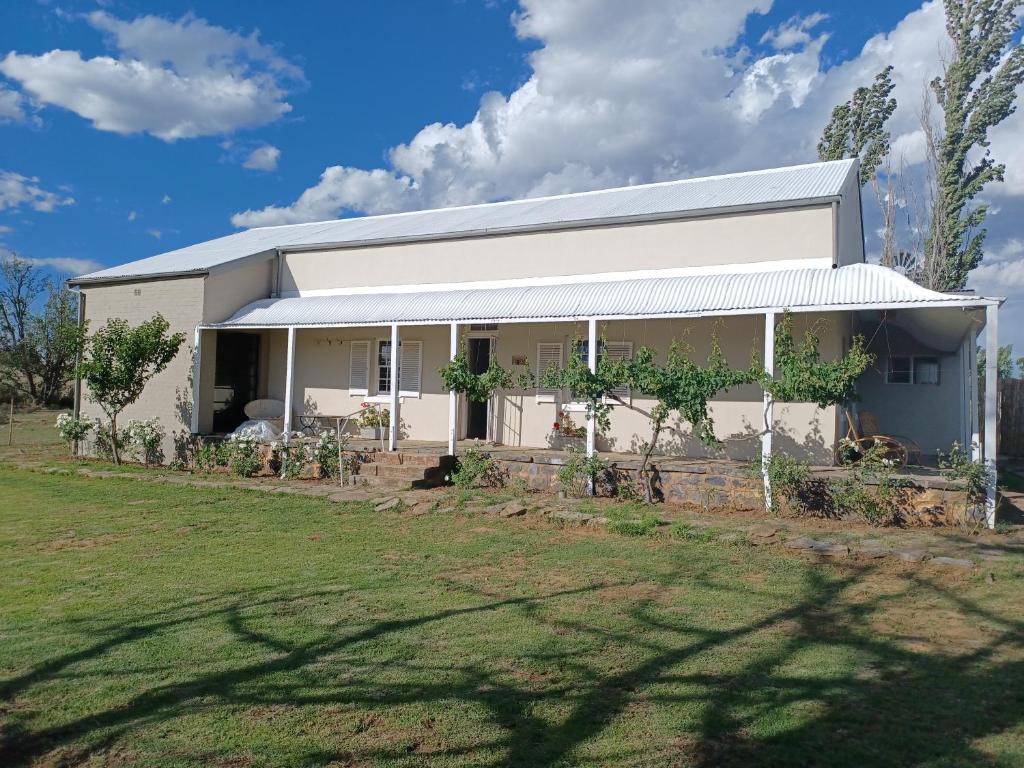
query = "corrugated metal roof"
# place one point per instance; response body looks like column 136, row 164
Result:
column 853, row 285
column 738, row 190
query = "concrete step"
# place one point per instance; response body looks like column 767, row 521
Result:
column 395, row 471
column 404, row 459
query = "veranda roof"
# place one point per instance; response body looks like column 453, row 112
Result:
column 856, row 286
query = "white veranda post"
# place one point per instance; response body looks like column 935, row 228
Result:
column 592, row 364
column 196, row 368
column 769, row 407
column 395, row 384
column 453, row 398
column 991, row 408
column 289, row 389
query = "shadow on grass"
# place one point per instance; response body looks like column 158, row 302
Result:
column 900, row 706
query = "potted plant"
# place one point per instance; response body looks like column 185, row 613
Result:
column 373, row 421
column 566, row 433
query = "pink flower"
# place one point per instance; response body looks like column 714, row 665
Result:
column 364, row 405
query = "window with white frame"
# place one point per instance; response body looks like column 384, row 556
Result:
column 548, row 353
column 907, row 369
column 410, row 367
column 359, row 368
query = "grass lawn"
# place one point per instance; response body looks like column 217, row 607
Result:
column 159, row 625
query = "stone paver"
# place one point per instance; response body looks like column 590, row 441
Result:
column 953, row 562
column 387, row 504
column 912, row 555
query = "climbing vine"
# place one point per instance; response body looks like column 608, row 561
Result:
column 478, row 387
column 592, row 388
column 801, row 376
column 684, row 386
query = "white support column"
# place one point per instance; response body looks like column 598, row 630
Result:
column 395, row 386
column 991, row 407
column 972, row 378
column 769, row 407
column 453, row 397
column 592, row 364
column 289, row 385
column 196, row 368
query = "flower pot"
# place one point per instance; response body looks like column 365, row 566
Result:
column 371, row 433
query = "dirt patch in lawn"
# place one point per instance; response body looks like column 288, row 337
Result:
column 70, row 540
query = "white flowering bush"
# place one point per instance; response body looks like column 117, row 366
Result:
column 72, row 430
column 245, row 455
column 325, row 454
column 145, row 439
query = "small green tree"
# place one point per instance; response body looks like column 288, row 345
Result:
column 1005, row 364
column 857, row 128
column 120, row 360
column 976, row 93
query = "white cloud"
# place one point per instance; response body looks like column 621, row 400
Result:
column 4, row 230
column 17, row 190
column 155, row 233
column 166, row 199
column 173, row 79
column 11, row 109
column 793, row 32
column 69, row 265
column 132, row 215
column 263, row 158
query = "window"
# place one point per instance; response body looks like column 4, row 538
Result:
column 359, row 368
column 384, row 367
column 614, row 350
column 926, row 370
column 900, row 369
column 548, row 354
column 904, row 369
column 410, row 366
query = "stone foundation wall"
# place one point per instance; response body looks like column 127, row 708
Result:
column 929, row 501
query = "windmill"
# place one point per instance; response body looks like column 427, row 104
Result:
column 909, row 265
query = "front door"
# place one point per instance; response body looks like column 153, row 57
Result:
column 235, row 378
column 479, row 351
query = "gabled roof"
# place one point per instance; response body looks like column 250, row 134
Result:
column 855, row 286
column 752, row 190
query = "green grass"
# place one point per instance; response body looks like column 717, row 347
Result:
column 145, row 624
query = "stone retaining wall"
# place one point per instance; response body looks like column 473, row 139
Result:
column 930, row 501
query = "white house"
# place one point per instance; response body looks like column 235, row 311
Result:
column 320, row 315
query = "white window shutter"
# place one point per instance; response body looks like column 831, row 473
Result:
column 410, row 368
column 548, row 354
column 359, row 368
column 618, row 350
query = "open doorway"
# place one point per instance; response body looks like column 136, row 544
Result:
column 235, row 379
column 479, row 352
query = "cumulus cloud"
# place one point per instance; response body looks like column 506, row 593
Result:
column 17, row 190
column 666, row 91
column 263, row 158
column 11, row 106
column 132, row 215
column 172, row 79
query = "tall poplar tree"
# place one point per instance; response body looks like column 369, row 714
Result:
column 857, row 128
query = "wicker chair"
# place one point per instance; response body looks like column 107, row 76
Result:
column 892, row 448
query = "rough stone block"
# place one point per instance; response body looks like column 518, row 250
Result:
column 953, row 562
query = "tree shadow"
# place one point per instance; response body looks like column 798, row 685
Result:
column 869, row 714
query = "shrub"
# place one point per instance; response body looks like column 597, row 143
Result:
column 204, row 458
column 958, row 465
column 145, row 439
column 72, row 430
column 579, row 471
column 245, row 455
column 630, row 519
column 476, row 469
column 788, row 478
column 853, row 495
column 325, row 454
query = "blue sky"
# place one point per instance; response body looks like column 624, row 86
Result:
column 126, row 128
